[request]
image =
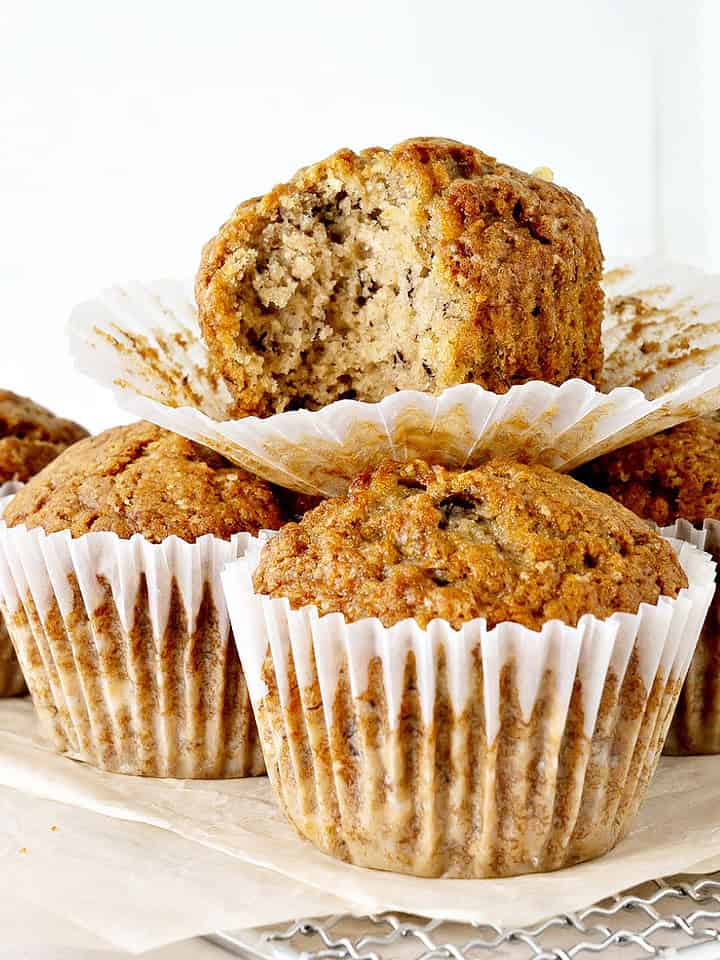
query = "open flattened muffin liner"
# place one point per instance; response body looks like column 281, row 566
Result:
column 12, row 682
column 471, row 752
column 695, row 728
column 662, row 346
column 128, row 651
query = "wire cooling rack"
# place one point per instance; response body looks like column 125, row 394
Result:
column 676, row 917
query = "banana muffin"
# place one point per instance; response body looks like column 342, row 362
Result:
column 30, row 437
column 419, row 267
column 143, row 479
column 505, row 541
column 110, row 565
column 671, row 476
column 431, row 693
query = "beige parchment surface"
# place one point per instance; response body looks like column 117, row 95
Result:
column 136, row 863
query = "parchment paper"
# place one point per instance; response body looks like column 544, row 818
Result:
column 100, row 883
column 239, row 864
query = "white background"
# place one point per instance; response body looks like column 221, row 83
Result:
column 129, row 131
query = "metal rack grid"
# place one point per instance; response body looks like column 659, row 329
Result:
column 675, row 917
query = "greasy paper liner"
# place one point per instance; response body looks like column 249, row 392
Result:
column 128, row 651
column 695, row 727
column 662, row 324
column 12, row 682
column 469, row 753
column 662, row 335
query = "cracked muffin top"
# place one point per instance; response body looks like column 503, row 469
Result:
column 419, row 267
column 31, row 436
column 504, row 541
column 143, row 479
column 674, row 474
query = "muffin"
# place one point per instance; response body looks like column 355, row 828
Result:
column 662, row 478
column 30, row 437
column 466, row 673
column 109, row 582
column 671, row 476
column 295, row 505
column 420, row 267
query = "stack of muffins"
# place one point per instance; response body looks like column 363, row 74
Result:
column 445, row 672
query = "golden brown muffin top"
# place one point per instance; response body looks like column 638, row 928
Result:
column 673, row 475
column 505, row 541
column 495, row 272
column 142, row 479
column 31, row 436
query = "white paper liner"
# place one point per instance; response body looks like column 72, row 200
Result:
column 662, row 333
column 592, row 703
column 127, row 649
column 695, row 727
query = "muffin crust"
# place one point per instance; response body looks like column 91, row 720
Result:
column 143, row 479
column 672, row 475
column 420, row 267
column 31, row 436
column 505, row 541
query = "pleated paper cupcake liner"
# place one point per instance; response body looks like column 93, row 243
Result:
column 695, row 727
column 471, row 752
column 12, row 682
column 128, row 652
column 662, row 325
column 662, row 335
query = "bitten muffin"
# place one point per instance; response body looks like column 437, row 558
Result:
column 109, row 581
column 420, row 267
column 671, row 476
column 505, row 541
column 30, row 437
column 401, row 731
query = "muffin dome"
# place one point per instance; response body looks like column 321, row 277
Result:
column 505, row 541
column 672, row 475
column 420, row 267
column 30, row 437
column 143, row 479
